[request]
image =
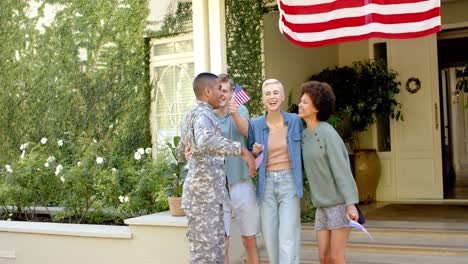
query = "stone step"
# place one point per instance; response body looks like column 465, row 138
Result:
column 404, row 227
column 423, row 238
column 402, row 248
column 401, row 238
column 396, row 242
column 359, row 257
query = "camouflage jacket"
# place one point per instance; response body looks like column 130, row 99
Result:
column 206, row 178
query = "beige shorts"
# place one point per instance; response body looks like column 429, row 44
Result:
column 243, row 208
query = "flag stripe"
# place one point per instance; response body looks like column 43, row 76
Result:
column 331, row 41
column 241, row 98
column 362, row 20
column 315, row 8
column 360, row 11
column 366, row 29
column 324, row 22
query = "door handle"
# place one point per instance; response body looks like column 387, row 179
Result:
column 436, row 115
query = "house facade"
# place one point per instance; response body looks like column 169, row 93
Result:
column 423, row 158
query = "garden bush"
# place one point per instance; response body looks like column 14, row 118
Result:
column 80, row 82
column 93, row 189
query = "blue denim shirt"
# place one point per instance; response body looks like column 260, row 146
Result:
column 259, row 132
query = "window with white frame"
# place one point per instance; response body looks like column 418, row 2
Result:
column 172, row 72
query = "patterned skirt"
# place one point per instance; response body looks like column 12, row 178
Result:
column 331, row 218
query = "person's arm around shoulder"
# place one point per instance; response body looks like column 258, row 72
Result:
column 296, row 123
column 300, row 123
column 208, row 142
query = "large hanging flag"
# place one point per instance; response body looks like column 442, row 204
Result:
column 240, row 96
column 312, row 23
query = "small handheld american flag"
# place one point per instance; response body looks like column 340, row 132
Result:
column 240, row 96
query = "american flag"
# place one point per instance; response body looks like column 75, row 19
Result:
column 240, row 96
column 312, row 23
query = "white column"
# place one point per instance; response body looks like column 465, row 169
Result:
column 201, row 36
column 217, row 29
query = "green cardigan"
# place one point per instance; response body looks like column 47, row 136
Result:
column 327, row 167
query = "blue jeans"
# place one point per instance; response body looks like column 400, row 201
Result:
column 280, row 217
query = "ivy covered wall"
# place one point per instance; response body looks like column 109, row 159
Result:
column 244, row 47
column 83, row 75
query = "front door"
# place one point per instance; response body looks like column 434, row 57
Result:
column 417, row 142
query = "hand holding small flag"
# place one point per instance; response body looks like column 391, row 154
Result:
column 233, row 106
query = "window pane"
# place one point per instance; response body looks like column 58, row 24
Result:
column 163, row 49
column 174, row 97
column 183, row 46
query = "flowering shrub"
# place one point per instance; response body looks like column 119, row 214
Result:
column 95, row 188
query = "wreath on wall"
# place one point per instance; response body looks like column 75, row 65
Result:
column 413, row 85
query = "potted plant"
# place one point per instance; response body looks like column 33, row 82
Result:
column 364, row 91
column 175, row 172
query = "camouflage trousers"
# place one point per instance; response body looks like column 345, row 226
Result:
column 206, row 234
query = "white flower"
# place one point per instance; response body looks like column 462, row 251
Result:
column 94, row 140
column 8, row 168
column 137, row 156
column 111, row 126
column 43, row 141
column 123, row 199
column 62, row 178
column 148, row 151
column 22, row 154
column 78, row 163
column 51, row 159
column 46, row 164
column 141, row 151
column 24, row 146
column 114, row 170
column 58, row 169
column 99, row 160
column 60, row 142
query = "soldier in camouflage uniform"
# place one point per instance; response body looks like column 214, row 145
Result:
column 205, row 186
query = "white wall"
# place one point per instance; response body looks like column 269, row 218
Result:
column 152, row 239
column 290, row 64
column 454, row 12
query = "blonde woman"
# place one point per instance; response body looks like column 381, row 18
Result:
column 277, row 136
